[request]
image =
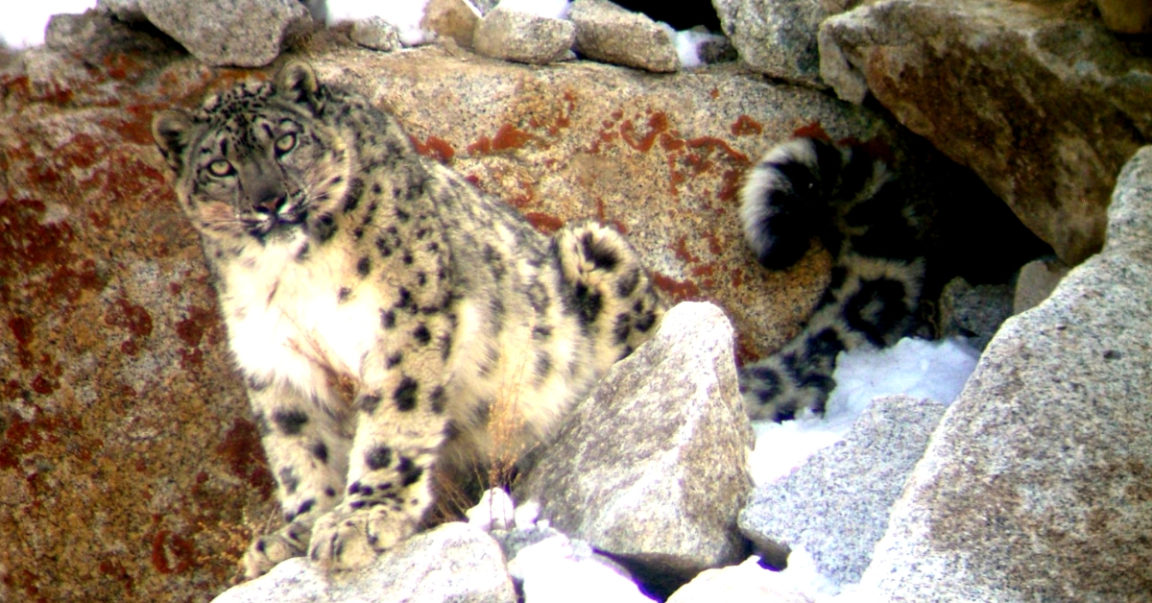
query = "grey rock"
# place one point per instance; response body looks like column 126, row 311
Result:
column 1036, row 281
column 1035, row 485
column 125, row 10
column 1052, row 104
column 454, row 562
column 606, row 32
column 973, row 312
column 517, row 36
column 836, row 504
column 95, row 34
column 240, row 33
column 776, row 37
column 651, row 467
column 375, row 33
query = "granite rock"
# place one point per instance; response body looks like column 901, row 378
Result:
column 1052, row 103
column 1036, row 281
column 125, row 10
column 452, row 19
column 973, row 313
column 522, row 37
column 240, row 33
column 454, row 562
column 375, row 33
column 835, row 505
column 606, row 32
column 776, row 37
column 1036, row 483
column 651, row 468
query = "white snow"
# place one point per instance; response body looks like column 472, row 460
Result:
column 558, row 570
column 23, row 23
column 404, row 15
column 919, row 368
column 688, row 46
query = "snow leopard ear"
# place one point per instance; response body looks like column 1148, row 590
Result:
column 170, row 130
column 297, row 82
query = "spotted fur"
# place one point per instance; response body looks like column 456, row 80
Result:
column 807, row 188
column 382, row 311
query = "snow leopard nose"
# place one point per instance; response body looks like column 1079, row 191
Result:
column 270, row 204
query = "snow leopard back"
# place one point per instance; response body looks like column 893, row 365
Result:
column 806, row 188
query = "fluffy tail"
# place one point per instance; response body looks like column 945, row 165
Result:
column 610, row 289
column 807, row 188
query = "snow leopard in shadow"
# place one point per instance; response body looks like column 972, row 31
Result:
column 805, row 188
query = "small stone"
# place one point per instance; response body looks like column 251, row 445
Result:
column 375, row 33
column 239, row 33
column 521, row 37
column 777, row 38
column 606, row 32
column 453, row 19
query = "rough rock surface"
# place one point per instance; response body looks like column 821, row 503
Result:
column 121, row 409
column 652, row 466
column 1036, row 485
column 606, row 32
column 375, row 33
column 836, row 504
column 973, row 313
column 522, row 37
column 239, row 33
column 1036, row 281
column 454, row 562
column 1051, row 105
column 455, row 19
column 776, row 37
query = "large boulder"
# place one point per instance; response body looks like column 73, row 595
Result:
column 1044, row 105
column 651, row 468
column 835, row 505
column 1036, row 485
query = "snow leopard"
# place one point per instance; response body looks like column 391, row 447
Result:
column 384, row 313
column 851, row 202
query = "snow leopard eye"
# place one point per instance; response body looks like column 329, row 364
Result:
column 285, row 143
column 220, row 168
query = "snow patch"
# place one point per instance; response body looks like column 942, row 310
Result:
column 916, row 367
column 24, row 23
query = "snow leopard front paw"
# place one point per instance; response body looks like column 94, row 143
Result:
column 268, row 550
column 346, row 538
